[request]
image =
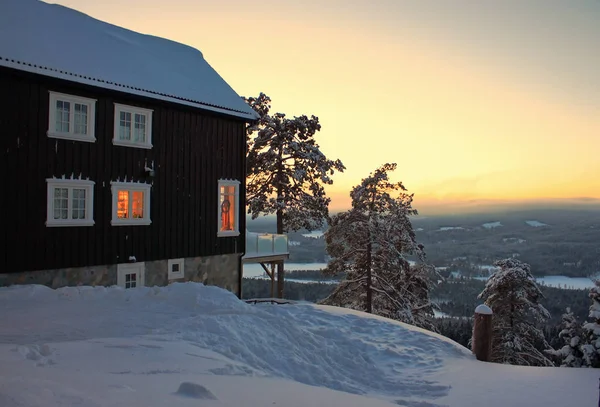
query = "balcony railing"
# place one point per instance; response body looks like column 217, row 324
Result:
column 265, row 245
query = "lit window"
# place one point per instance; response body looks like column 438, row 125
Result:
column 228, row 208
column 71, row 117
column 70, row 202
column 131, row 203
column 133, row 126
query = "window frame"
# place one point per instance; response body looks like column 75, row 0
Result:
column 124, row 269
column 236, row 229
column 179, row 274
column 118, row 107
column 90, row 137
column 130, row 187
column 87, row 185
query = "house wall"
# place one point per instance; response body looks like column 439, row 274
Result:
column 192, row 150
column 220, row 270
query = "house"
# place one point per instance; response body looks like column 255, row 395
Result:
column 122, row 156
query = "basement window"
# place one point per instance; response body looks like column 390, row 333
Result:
column 131, row 275
column 71, row 117
column 130, row 203
column 70, row 202
column 229, row 191
column 133, row 126
column 176, row 269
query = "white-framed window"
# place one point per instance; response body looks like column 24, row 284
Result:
column 175, row 269
column 228, row 208
column 71, row 117
column 133, row 126
column 130, row 203
column 70, row 202
column 131, row 275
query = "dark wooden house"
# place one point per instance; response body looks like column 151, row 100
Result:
column 122, row 156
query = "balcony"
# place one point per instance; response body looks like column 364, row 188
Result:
column 265, row 247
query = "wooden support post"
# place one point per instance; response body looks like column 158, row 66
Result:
column 481, row 343
column 272, row 280
column 280, row 277
column 271, row 274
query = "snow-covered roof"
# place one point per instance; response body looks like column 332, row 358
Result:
column 57, row 41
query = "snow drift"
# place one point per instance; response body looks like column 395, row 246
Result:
column 188, row 343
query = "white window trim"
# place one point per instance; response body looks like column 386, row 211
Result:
column 236, row 231
column 91, row 118
column 130, row 186
column 179, row 274
column 133, row 110
column 70, row 183
column 129, row 268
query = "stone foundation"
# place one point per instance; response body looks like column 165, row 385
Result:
column 220, row 270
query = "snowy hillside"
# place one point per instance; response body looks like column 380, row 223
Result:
column 191, row 345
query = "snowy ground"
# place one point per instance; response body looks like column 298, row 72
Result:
column 191, row 345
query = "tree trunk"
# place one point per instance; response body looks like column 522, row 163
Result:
column 369, row 281
column 369, row 259
column 279, row 214
column 280, row 268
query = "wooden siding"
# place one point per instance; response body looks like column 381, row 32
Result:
column 192, row 150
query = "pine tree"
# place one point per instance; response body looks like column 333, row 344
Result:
column 369, row 243
column 513, row 294
column 570, row 355
column 286, row 170
column 591, row 330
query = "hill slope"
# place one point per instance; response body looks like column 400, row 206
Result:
column 187, row 344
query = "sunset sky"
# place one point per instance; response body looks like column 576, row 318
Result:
column 475, row 101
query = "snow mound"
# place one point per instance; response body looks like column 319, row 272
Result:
column 335, row 348
column 196, row 391
column 188, row 343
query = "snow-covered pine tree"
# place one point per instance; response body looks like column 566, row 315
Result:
column 370, row 243
column 570, row 355
column 514, row 295
column 591, row 330
column 286, row 170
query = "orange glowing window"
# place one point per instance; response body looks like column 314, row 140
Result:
column 131, row 203
column 138, row 205
column 228, row 207
column 123, row 205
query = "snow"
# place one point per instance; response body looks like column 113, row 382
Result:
column 483, row 310
column 57, row 41
column 315, row 234
column 492, row 225
column 188, row 345
column 535, row 223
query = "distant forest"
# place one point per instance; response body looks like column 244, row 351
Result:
column 565, row 242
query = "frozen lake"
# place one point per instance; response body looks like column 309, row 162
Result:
column 572, row 283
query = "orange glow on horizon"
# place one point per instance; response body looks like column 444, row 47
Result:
column 470, row 111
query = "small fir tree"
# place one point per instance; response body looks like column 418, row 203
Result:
column 591, row 330
column 570, row 355
column 514, row 295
